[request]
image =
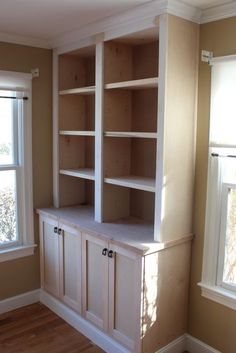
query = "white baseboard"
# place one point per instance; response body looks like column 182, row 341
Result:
column 19, row 301
column 176, row 346
column 185, row 342
column 95, row 335
column 193, row 345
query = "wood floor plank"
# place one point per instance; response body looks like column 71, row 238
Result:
column 36, row 329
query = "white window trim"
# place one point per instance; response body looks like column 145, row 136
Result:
column 21, row 81
column 211, row 287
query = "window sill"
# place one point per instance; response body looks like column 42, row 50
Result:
column 219, row 295
column 16, row 252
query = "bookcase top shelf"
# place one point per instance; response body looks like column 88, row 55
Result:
column 84, row 173
column 89, row 90
column 143, row 83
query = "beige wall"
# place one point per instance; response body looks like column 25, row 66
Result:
column 210, row 322
column 22, row 275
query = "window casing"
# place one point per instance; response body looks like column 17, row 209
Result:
column 219, row 260
column 17, row 167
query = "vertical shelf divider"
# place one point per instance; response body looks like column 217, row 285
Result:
column 99, row 101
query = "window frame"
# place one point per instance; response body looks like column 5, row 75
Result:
column 21, row 82
column 212, row 285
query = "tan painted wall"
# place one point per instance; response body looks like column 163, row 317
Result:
column 210, row 322
column 22, row 275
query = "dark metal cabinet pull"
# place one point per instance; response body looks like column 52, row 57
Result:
column 59, row 231
column 104, row 251
column 110, row 254
column 55, row 229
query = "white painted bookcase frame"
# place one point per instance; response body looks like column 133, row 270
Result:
column 166, row 226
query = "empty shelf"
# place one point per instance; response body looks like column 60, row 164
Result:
column 134, row 182
column 134, row 84
column 85, row 173
column 77, row 133
column 148, row 135
column 81, row 90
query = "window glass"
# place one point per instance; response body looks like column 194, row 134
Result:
column 6, row 131
column 8, row 209
column 223, row 103
column 229, row 272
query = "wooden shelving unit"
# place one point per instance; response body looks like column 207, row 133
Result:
column 124, row 163
column 77, row 127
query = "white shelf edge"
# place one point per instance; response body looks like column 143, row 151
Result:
column 80, row 90
column 85, row 173
column 76, row 133
column 134, row 84
column 151, row 135
column 133, row 182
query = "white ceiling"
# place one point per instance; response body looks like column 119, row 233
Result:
column 48, row 19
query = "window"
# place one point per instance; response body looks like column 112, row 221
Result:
column 219, row 261
column 16, row 210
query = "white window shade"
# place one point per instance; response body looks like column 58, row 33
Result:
column 223, row 104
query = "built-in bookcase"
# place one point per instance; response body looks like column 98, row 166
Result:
column 126, row 128
column 77, row 127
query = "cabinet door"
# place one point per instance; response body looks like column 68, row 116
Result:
column 49, row 255
column 125, row 286
column 70, row 266
column 95, row 281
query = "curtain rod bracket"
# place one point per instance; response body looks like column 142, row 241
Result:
column 206, row 56
column 35, row 73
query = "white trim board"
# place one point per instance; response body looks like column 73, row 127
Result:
column 19, row 301
column 193, row 345
column 189, row 343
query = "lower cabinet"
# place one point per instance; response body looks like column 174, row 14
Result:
column 60, row 261
column 111, row 289
column 95, row 277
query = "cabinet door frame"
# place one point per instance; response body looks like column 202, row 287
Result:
column 46, row 287
column 101, row 323
column 133, row 345
column 74, row 304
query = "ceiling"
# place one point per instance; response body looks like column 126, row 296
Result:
column 49, row 19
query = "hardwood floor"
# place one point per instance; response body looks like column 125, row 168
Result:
column 36, row 329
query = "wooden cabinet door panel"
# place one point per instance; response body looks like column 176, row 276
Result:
column 49, row 250
column 70, row 267
column 95, row 281
column 125, row 273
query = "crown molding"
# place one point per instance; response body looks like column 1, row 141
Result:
column 24, row 40
column 138, row 18
column 218, row 12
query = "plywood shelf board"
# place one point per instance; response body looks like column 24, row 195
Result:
column 130, row 232
column 134, row 182
column 134, row 84
column 80, row 90
column 151, row 135
column 85, row 173
column 76, row 133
